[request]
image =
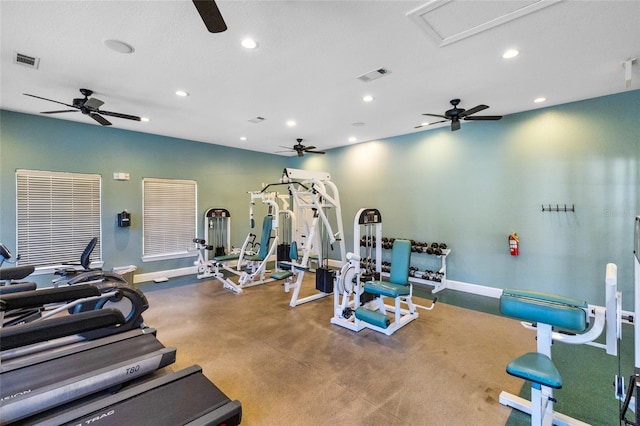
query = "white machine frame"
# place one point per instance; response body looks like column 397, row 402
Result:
column 313, row 195
column 350, row 288
column 540, row 408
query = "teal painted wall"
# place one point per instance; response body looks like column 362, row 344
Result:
column 472, row 188
column 224, row 176
column 469, row 189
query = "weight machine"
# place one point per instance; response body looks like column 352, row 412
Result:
column 217, row 228
column 314, row 197
column 544, row 313
column 630, row 397
column 246, row 263
column 359, row 298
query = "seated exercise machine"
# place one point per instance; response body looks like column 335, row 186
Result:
column 632, row 393
column 247, row 264
column 359, row 299
column 8, row 276
column 545, row 312
column 70, row 268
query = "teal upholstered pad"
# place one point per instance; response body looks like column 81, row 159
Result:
column 373, row 317
column 546, row 309
column 226, row 258
column 400, row 259
column 387, row 289
column 399, row 276
column 548, row 297
column 267, row 224
column 537, row 368
column 281, row 275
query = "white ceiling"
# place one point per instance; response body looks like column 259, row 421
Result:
column 306, row 66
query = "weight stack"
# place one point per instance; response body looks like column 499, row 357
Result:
column 324, row 280
column 282, row 253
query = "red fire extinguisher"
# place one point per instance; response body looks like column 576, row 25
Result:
column 513, row 244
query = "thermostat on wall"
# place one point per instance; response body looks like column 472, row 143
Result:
column 120, row 176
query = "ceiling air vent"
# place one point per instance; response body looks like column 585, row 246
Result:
column 374, row 75
column 26, row 60
column 257, row 120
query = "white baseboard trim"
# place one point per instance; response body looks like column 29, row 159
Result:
column 480, row 290
column 169, row 273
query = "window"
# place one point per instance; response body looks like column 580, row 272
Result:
column 169, row 218
column 57, row 214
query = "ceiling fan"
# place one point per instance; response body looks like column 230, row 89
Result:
column 87, row 106
column 455, row 114
column 211, row 15
column 301, row 149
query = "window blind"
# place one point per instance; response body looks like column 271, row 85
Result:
column 57, row 214
column 169, row 217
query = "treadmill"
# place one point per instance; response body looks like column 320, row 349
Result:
column 41, row 386
column 185, row 397
column 41, row 380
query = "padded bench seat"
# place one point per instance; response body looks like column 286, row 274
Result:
column 385, row 288
column 281, row 275
column 227, row 257
column 537, row 368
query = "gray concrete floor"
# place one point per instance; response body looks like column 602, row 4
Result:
column 290, row 366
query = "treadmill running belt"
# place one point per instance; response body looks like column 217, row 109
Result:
column 180, row 398
column 37, row 376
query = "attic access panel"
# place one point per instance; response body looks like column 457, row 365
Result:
column 449, row 21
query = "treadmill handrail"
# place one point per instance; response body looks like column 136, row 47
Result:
column 53, row 328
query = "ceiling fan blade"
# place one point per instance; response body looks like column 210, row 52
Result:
column 437, row 122
column 438, row 115
column 119, row 115
column 316, row 152
column 484, row 117
column 210, row 15
column 93, row 103
column 50, row 100
column 56, row 112
column 308, row 148
column 473, row 110
column 455, row 125
column 300, row 153
column 100, row 119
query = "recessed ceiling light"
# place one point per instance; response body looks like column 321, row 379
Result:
column 424, row 124
column 540, row 99
column 145, row 119
column 509, row 54
column 182, row 93
column 291, row 123
column 119, row 46
column 249, row 43
column 352, row 139
column 368, row 98
column 243, row 138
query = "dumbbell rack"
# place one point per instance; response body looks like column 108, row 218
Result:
column 437, row 279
